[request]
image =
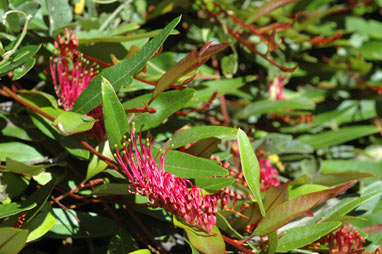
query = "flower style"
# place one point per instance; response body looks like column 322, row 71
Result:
column 163, row 189
column 344, row 240
column 71, row 74
column 268, row 175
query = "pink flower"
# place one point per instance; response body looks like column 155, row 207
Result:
column 276, row 88
column 268, row 175
column 163, row 189
column 343, row 240
column 71, row 74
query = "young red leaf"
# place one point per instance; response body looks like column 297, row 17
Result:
column 280, row 215
column 191, row 62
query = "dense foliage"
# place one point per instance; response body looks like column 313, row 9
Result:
column 207, row 126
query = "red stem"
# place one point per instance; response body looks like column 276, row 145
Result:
column 51, row 118
column 235, row 244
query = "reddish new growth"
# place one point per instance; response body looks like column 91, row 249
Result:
column 71, row 74
column 344, row 240
column 268, row 175
column 163, row 189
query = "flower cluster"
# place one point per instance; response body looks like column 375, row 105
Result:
column 163, row 189
column 71, row 74
column 343, row 240
column 268, row 175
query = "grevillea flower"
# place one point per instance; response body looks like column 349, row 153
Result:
column 268, row 175
column 71, row 74
column 344, row 240
column 276, row 88
column 163, row 189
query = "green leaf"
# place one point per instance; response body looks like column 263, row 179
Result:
column 338, row 166
column 20, row 71
column 116, row 124
column 188, row 136
column 267, row 7
column 305, row 189
column 346, row 205
column 38, row 98
column 68, row 226
column 60, row 14
column 272, row 243
column 336, row 137
column 121, row 73
column 340, row 178
column 223, row 86
column 224, row 225
column 208, row 244
column 141, row 251
column 15, row 208
column 95, row 36
column 70, row 123
column 122, row 243
column 20, row 168
column 213, row 184
column 187, row 64
column 279, row 106
column 40, row 196
column 96, row 165
column 112, row 189
column 371, row 50
column 40, row 224
column 250, row 166
column 166, row 104
column 187, row 166
column 12, row 240
column 285, row 212
column 298, row 237
column 19, row 151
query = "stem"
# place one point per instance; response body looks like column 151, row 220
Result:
column 236, row 244
column 51, row 118
column 114, row 14
column 9, row 53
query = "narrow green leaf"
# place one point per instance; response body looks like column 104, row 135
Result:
column 187, row 64
column 39, row 197
column 188, row 136
column 18, row 151
column 40, row 224
column 305, row 189
column 19, row 167
column 70, row 123
column 340, row 178
column 121, row 73
column 298, row 237
column 279, row 106
column 12, row 240
column 224, row 225
column 250, row 166
column 15, row 208
column 336, row 137
column 272, row 242
column 92, row 224
column 267, row 7
column 285, row 212
column 187, row 166
column 208, row 244
column 116, row 124
column 213, row 184
column 166, row 104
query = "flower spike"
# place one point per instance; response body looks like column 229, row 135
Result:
column 163, row 189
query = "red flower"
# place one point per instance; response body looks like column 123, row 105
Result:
column 268, row 175
column 71, row 74
column 344, row 240
column 163, row 189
